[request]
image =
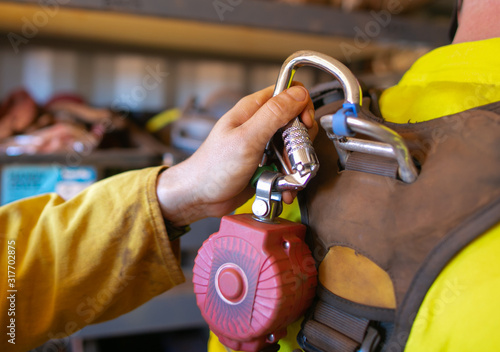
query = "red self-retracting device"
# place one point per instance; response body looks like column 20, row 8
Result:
column 252, row 279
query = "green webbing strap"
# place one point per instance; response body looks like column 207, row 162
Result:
column 260, row 170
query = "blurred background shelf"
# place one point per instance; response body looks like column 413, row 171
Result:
column 100, row 48
column 246, row 29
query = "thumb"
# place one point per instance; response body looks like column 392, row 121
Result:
column 276, row 113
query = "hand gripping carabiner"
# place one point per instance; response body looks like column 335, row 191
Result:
column 298, row 145
column 303, row 160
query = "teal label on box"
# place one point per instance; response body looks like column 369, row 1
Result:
column 21, row 181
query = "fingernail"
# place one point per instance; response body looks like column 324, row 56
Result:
column 297, row 93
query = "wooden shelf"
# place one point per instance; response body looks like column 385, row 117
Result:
column 252, row 29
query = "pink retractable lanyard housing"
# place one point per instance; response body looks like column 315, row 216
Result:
column 252, row 279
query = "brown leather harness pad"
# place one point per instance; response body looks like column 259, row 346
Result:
column 412, row 230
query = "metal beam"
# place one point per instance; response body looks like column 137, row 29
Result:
column 374, row 26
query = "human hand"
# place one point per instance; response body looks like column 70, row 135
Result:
column 215, row 179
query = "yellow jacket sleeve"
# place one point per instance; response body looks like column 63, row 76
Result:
column 67, row 264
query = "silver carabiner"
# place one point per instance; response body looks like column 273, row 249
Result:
column 298, row 145
column 303, row 160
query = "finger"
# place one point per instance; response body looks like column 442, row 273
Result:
column 307, row 115
column 297, row 83
column 313, row 131
column 289, row 196
column 276, row 113
column 246, row 107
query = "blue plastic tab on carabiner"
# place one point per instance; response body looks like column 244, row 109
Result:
column 339, row 119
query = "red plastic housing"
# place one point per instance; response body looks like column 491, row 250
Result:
column 252, row 279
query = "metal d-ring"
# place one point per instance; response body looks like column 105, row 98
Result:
column 392, row 146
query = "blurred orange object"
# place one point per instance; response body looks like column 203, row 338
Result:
column 17, row 112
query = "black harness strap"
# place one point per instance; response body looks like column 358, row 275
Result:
column 332, row 329
column 372, row 164
column 326, row 339
column 346, row 324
